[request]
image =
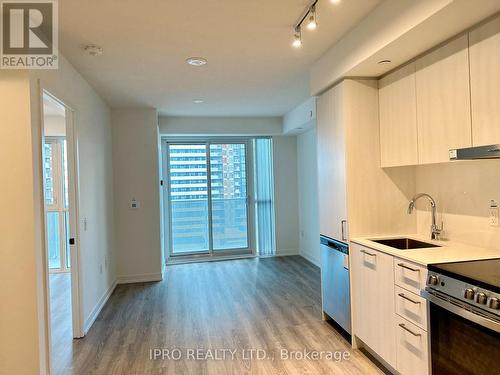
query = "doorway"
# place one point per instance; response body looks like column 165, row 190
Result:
column 59, row 186
column 208, row 198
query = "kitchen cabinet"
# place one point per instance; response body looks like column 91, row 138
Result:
column 331, row 152
column 411, row 306
column 389, row 315
column 484, row 47
column 443, row 101
column 398, row 118
column 373, row 300
column 347, row 148
column 412, row 348
column 409, row 276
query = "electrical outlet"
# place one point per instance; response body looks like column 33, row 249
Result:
column 493, row 217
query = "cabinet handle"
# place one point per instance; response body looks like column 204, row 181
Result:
column 367, row 253
column 343, row 231
column 408, row 299
column 409, row 330
column 402, row 265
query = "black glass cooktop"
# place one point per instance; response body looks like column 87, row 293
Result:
column 482, row 273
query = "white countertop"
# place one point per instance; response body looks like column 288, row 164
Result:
column 447, row 253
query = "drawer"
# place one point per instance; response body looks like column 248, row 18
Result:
column 412, row 348
column 409, row 275
column 411, row 307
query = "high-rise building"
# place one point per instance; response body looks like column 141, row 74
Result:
column 189, row 189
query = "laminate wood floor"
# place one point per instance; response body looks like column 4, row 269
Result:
column 60, row 320
column 271, row 304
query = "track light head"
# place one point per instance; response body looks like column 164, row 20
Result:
column 297, row 39
column 312, row 24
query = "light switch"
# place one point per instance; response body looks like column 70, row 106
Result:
column 493, row 214
column 134, row 204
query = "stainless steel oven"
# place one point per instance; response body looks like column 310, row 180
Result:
column 464, row 317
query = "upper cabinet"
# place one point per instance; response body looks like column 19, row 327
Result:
column 398, row 118
column 443, row 101
column 485, row 83
column 331, row 149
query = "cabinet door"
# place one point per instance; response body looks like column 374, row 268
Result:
column 331, row 165
column 373, row 300
column 412, row 348
column 443, row 101
column 398, row 118
column 485, row 83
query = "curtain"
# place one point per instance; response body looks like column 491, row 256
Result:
column 264, row 197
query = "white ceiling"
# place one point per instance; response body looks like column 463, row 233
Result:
column 252, row 69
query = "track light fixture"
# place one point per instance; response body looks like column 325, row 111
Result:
column 310, row 15
column 297, row 38
column 312, row 24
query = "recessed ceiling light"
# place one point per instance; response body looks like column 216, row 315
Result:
column 384, row 62
column 334, row 1
column 197, row 61
column 198, row 101
column 93, row 50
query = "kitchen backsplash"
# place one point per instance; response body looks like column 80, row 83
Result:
column 463, row 191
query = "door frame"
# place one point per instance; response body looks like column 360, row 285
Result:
column 74, row 203
column 210, row 254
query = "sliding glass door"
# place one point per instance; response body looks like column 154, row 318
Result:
column 207, row 199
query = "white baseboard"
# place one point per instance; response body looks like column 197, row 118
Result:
column 140, row 278
column 308, row 257
column 286, row 252
column 97, row 309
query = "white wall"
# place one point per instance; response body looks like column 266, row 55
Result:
column 23, row 330
column 307, row 175
column 93, row 131
column 220, row 125
column 462, row 191
column 136, row 175
column 285, row 195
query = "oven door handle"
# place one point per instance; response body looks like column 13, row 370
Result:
column 460, row 311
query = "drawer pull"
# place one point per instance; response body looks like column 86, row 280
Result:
column 409, row 330
column 367, row 253
column 402, row 265
column 408, row 299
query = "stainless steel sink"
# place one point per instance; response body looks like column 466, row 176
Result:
column 405, row 243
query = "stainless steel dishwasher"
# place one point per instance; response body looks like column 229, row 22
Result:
column 335, row 281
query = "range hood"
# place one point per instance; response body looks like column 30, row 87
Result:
column 473, row 153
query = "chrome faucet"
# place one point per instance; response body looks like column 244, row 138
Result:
column 435, row 230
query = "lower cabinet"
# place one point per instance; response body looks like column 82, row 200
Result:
column 373, row 300
column 412, row 348
column 388, row 315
